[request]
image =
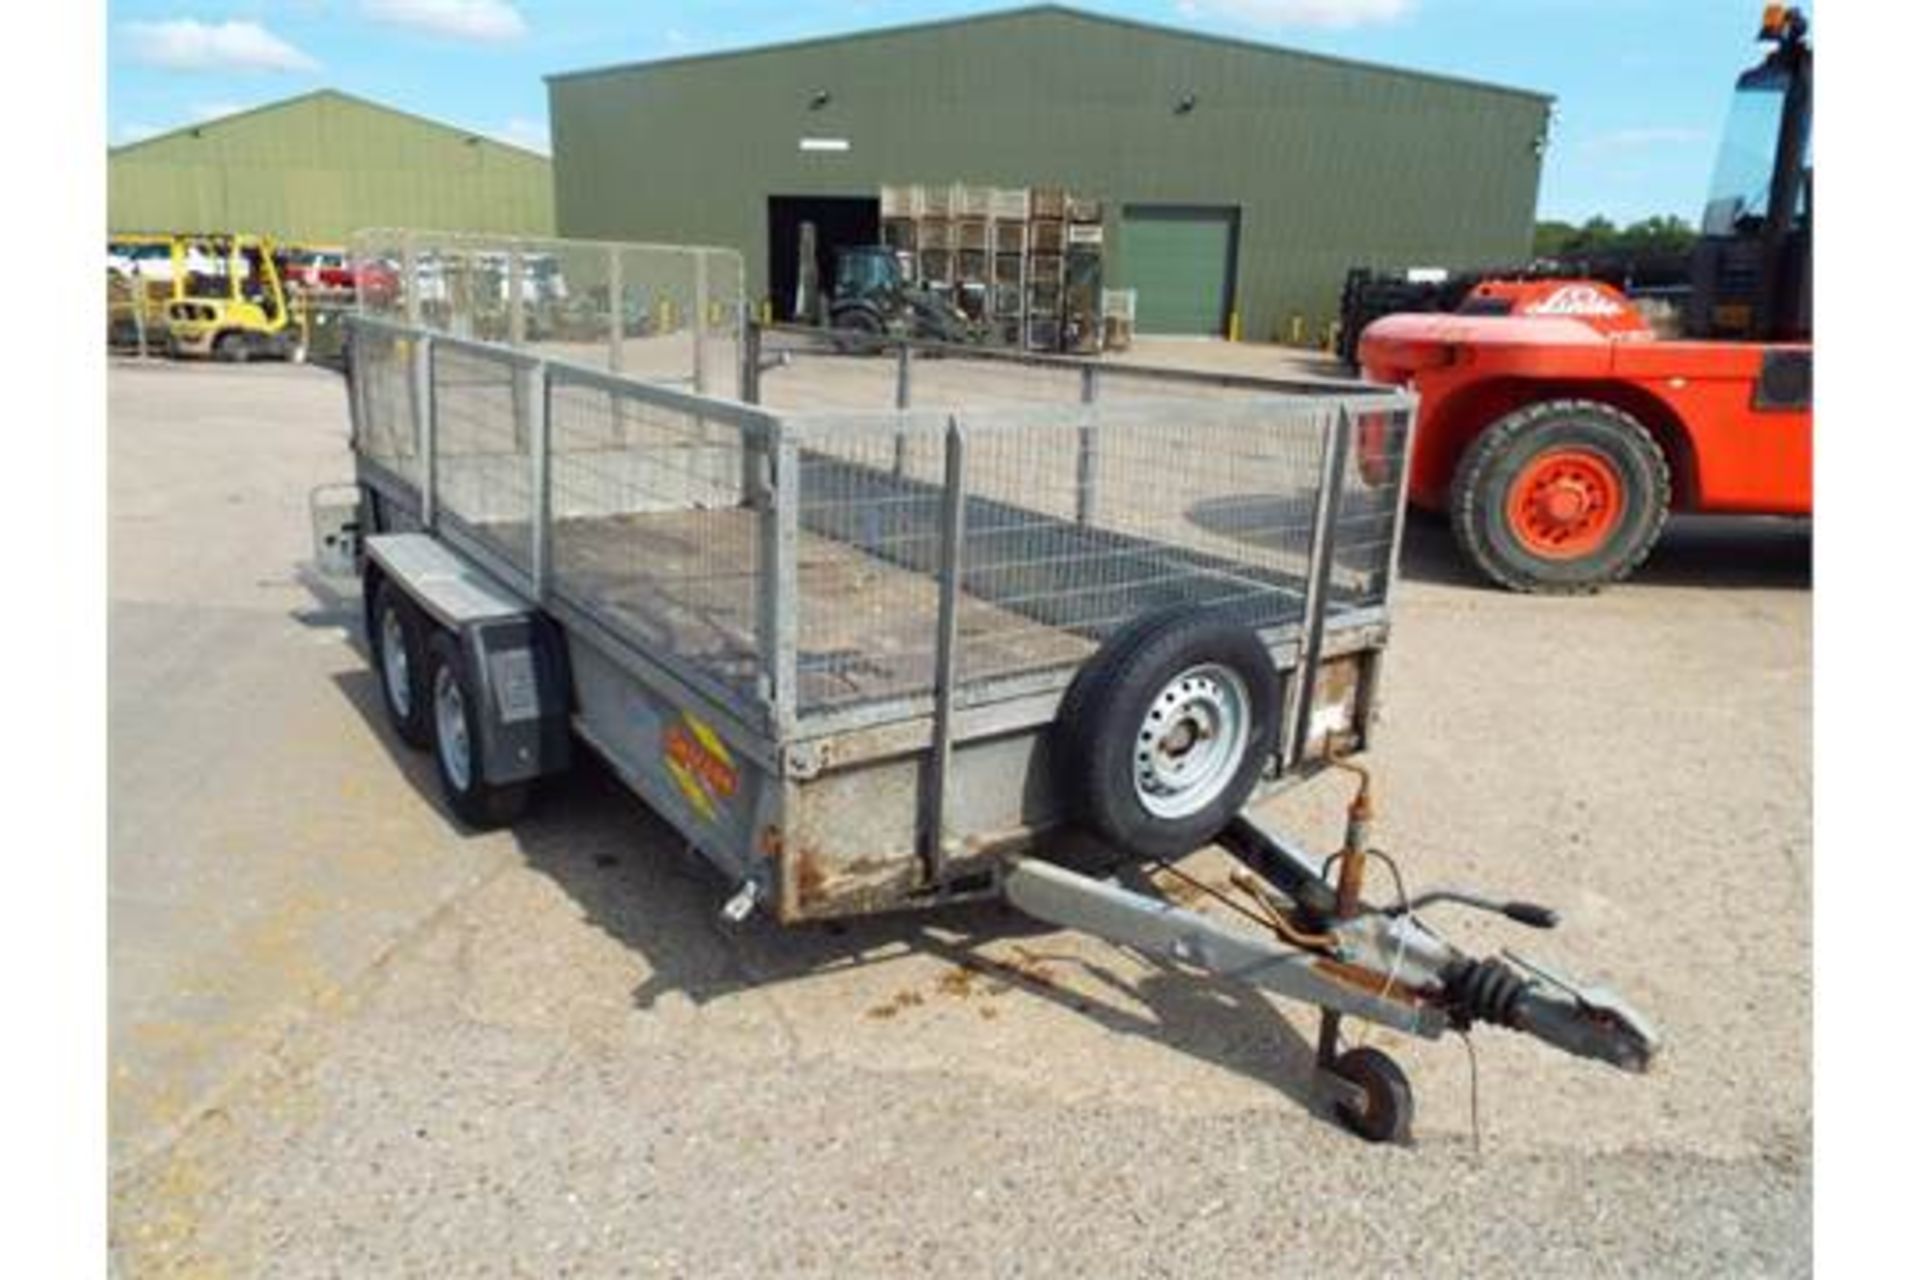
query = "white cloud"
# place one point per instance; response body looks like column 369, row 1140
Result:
column 202, row 111
column 184, row 44
column 523, row 132
column 1650, row 136
column 482, row 20
column 1300, row 13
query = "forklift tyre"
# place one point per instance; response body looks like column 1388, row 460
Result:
column 453, row 708
column 1561, row 497
column 231, row 347
column 1388, row 1113
column 1166, row 730
column 396, row 642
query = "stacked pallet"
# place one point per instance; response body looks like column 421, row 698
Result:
column 1012, row 258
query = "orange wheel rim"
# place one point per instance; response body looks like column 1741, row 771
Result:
column 1566, row 503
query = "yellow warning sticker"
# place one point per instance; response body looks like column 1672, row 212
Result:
column 700, row 764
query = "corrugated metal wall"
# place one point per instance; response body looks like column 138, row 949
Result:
column 1331, row 164
column 318, row 167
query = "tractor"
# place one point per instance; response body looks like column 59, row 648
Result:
column 1557, row 430
column 872, row 299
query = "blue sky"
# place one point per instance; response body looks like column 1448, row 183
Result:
column 1641, row 85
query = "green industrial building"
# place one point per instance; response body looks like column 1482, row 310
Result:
column 316, row 168
column 1237, row 180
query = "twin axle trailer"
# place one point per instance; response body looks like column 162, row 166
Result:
column 889, row 629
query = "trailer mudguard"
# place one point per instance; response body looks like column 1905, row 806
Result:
column 518, row 666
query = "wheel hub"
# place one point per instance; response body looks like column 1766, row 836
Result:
column 1566, row 503
column 450, row 729
column 393, row 662
column 1191, row 742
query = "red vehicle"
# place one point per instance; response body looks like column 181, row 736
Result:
column 330, row 270
column 1558, row 430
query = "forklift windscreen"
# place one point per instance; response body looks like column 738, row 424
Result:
column 1743, row 174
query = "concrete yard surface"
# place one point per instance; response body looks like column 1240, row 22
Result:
column 350, row 1038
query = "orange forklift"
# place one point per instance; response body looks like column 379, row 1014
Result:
column 1558, row 430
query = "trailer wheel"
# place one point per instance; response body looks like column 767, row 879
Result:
column 1561, row 497
column 456, row 743
column 1387, row 1115
column 396, row 642
column 1166, row 730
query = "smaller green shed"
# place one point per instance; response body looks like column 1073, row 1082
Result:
column 317, row 167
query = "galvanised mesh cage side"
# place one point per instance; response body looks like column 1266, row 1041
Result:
column 1370, row 501
column 662, row 313
column 389, row 418
column 482, row 460
column 653, row 529
column 1077, row 520
column 807, row 369
column 811, row 369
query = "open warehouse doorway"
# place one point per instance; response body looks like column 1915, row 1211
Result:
column 839, row 222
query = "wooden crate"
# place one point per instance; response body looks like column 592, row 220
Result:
column 902, row 201
column 936, row 266
column 1047, row 236
column 971, row 266
column 972, row 234
column 935, row 233
column 971, row 202
column 1010, row 204
column 900, row 233
column 1048, row 202
column 1083, row 209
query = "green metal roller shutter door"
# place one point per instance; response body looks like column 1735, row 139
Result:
column 1180, row 260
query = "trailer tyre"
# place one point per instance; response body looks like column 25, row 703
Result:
column 1387, row 1115
column 1560, row 497
column 1166, row 730
column 396, row 641
column 456, row 743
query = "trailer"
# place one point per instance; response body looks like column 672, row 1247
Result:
column 950, row 624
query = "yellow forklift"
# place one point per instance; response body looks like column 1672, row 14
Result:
column 228, row 301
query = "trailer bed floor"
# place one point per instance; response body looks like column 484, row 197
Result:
column 684, row 583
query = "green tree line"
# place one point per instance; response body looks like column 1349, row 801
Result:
column 1661, row 234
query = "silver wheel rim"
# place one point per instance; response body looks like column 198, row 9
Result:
column 1191, row 741
column 450, row 726
column 393, row 663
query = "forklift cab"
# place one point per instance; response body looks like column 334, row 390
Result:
column 1752, row 266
